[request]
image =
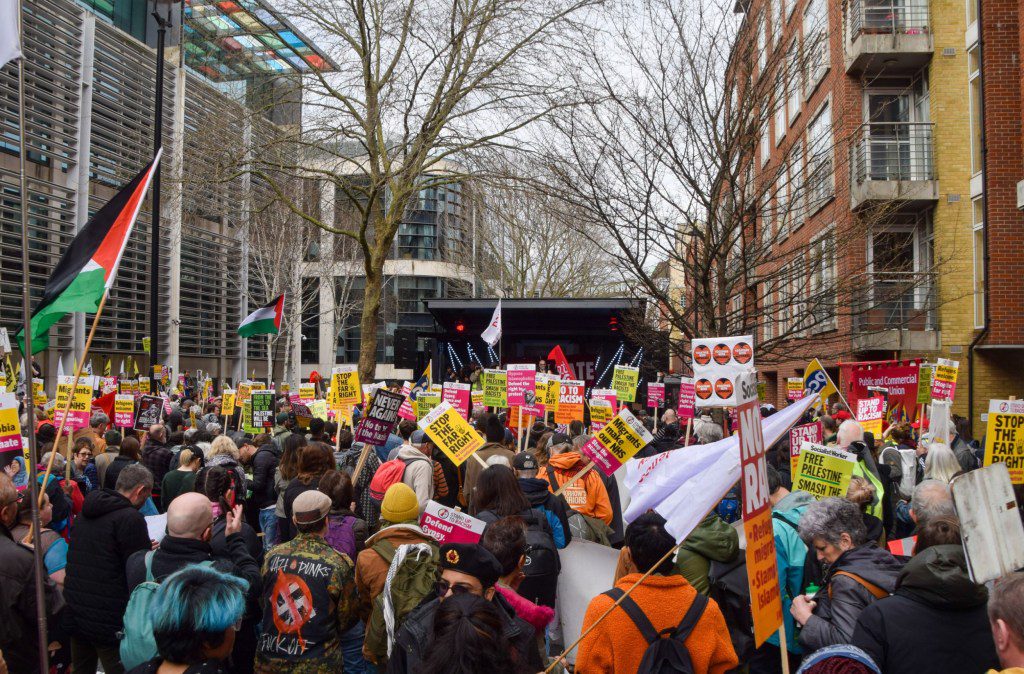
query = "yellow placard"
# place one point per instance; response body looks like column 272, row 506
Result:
column 624, row 381
column 476, row 397
column 307, row 391
column 622, row 437
column 601, row 413
column 38, row 392
column 426, row 402
column 80, row 405
column 318, row 408
column 495, row 388
column 823, row 471
column 1004, row 437
column 451, row 433
column 227, row 402
column 10, row 426
column 345, row 389
column 243, row 393
column 551, row 393
column 144, row 386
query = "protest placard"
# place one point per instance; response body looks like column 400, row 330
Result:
column 553, row 392
column 227, row 402
column 536, row 411
column 380, row 418
column 540, row 387
column 870, row 412
column 244, row 391
column 307, row 391
column 944, row 379
column 11, row 442
column 687, row 398
column 798, row 435
column 601, row 412
column 262, row 409
column 823, row 471
column 245, row 418
column 762, row 574
column 476, row 396
column 151, row 411
column 345, row 389
column 81, row 403
column 451, row 433
column 717, row 361
column 318, row 408
column 989, row 516
column 448, row 525
column 616, row 443
column 794, row 388
column 624, row 381
column 39, row 392
column 655, row 394
column 1004, row 437
column 609, row 395
column 925, row 374
column 124, row 410
column 495, row 388
column 407, row 410
column 145, row 384
column 521, row 384
column 457, row 395
column 425, row 402
column 108, row 385
column 570, row 402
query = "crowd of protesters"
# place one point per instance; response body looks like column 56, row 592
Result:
column 277, row 557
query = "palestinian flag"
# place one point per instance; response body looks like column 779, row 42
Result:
column 89, row 266
column 264, row 321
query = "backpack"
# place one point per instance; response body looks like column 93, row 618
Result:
column 389, row 473
column 813, row 574
column 413, row 570
column 666, row 650
column 137, row 642
column 729, row 587
column 341, row 534
column 541, row 554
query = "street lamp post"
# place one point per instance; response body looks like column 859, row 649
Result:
column 163, row 23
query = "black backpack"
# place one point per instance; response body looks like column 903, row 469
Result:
column 666, row 650
column 729, row 587
column 542, row 558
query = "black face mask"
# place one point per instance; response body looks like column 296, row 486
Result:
column 856, row 447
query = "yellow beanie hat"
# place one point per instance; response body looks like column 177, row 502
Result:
column 400, row 504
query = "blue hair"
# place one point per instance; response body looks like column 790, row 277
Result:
column 192, row 609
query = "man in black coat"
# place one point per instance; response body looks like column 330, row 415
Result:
column 539, row 495
column 18, row 640
column 475, row 570
column 109, row 531
column 157, row 456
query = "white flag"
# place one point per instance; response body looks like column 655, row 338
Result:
column 60, row 359
column 10, row 45
column 493, row 332
column 683, row 486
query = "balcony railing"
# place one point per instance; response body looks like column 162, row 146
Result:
column 894, row 151
column 898, row 301
column 888, row 17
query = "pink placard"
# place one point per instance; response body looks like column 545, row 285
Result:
column 457, row 395
column 798, row 435
column 604, row 460
column 536, row 411
column 655, row 394
column 447, row 525
column 406, row 411
column 687, row 399
column 521, row 384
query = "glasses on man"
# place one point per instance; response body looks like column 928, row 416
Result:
column 86, row 453
column 443, row 587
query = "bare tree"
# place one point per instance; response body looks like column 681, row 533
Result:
column 421, row 87
column 667, row 154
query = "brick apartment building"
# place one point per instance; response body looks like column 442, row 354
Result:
column 875, row 122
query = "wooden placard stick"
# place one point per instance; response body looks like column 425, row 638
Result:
column 568, row 483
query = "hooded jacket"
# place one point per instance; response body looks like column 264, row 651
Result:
column 473, row 468
column 790, row 556
column 842, row 599
column 587, row 495
column 419, row 473
column 536, row 492
column 935, row 622
column 264, row 463
column 712, row 540
column 108, row 532
column 415, row 635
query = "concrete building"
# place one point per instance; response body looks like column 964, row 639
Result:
column 90, row 79
column 874, row 128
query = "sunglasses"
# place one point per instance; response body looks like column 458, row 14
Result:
column 443, row 586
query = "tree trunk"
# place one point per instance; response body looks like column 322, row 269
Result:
column 368, row 323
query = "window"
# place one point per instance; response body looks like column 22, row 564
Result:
column 768, row 318
column 972, row 11
column 765, row 148
column 820, row 186
column 821, row 284
column 310, row 328
column 762, row 56
column 772, row 29
column 767, row 228
column 816, row 47
column 978, row 224
column 797, row 195
column 785, row 321
column 974, row 78
column 793, row 76
column 780, row 107
column 782, row 199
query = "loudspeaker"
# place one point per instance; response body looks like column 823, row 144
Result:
column 406, row 353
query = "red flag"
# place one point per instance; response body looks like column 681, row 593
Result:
column 105, row 404
column 565, row 370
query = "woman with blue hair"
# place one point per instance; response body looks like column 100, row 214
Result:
column 195, row 614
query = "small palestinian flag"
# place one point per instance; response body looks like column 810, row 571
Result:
column 264, row 321
column 89, row 266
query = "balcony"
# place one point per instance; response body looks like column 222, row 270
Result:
column 891, row 37
column 898, row 313
column 893, row 162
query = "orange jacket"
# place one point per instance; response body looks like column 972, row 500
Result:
column 616, row 645
column 587, row 495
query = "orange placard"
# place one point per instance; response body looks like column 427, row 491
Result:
column 570, row 402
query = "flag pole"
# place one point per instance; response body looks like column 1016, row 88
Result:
column 26, row 308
